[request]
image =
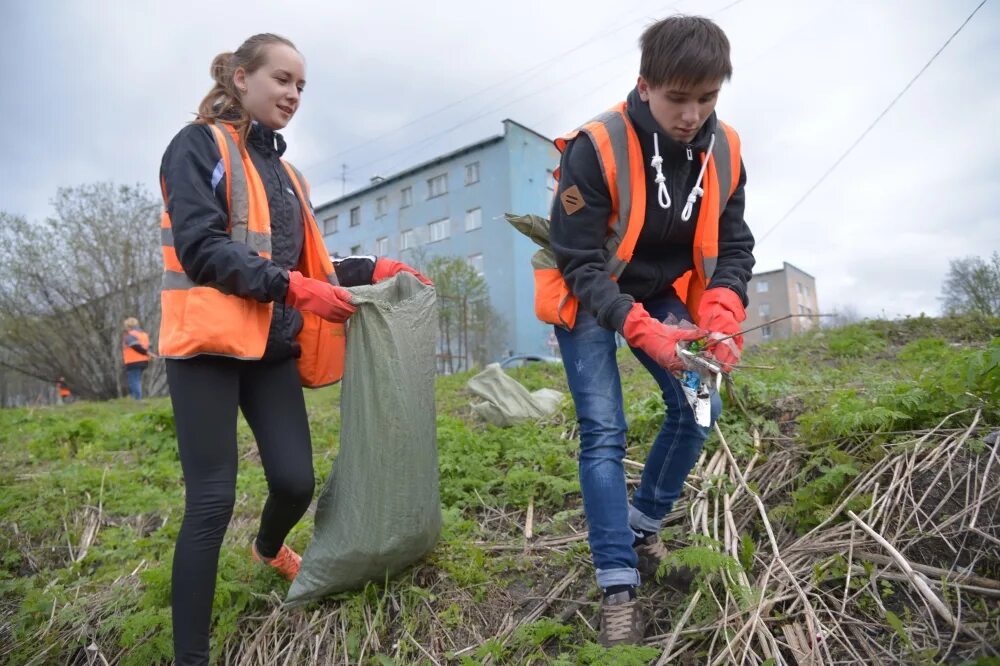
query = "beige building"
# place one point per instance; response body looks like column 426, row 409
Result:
column 777, row 294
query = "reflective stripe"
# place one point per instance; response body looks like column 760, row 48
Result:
column 709, row 264
column 257, row 241
column 722, row 158
column 239, row 198
column 175, row 280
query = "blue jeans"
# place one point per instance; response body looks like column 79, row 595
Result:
column 134, row 376
column 588, row 353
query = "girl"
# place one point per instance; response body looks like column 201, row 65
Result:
column 252, row 310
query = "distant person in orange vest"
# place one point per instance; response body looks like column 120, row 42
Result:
column 647, row 223
column 253, row 309
column 135, row 355
column 62, row 391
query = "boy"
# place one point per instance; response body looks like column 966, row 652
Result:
column 647, row 223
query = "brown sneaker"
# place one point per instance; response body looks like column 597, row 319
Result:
column 652, row 552
column 621, row 620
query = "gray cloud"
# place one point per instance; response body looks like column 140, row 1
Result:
column 95, row 91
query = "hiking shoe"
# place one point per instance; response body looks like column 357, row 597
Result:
column 652, row 552
column 621, row 620
column 287, row 562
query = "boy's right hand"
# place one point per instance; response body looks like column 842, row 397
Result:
column 321, row 298
column 657, row 339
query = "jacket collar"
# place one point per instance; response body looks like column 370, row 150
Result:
column 265, row 139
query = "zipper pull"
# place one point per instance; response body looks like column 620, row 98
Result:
column 690, row 155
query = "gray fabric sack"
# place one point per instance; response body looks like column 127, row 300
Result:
column 380, row 509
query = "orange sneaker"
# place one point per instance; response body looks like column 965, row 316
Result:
column 287, row 562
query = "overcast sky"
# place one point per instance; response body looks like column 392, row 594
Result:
column 95, row 90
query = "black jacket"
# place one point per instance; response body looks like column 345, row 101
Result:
column 664, row 250
column 195, row 185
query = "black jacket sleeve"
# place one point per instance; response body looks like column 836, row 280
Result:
column 199, row 219
column 578, row 238
column 736, row 244
column 353, row 271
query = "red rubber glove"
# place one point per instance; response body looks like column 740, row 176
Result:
column 385, row 268
column 656, row 338
column 322, row 298
column 721, row 312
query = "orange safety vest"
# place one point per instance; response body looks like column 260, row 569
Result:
column 130, row 355
column 200, row 319
column 63, row 390
column 620, row 155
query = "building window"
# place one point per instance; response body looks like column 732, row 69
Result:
column 407, row 240
column 330, row 225
column 356, row 216
column 355, row 250
column 472, row 173
column 550, row 180
column 440, row 230
column 382, row 246
column 762, row 287
column 473, row 219
column 476, row 261
column 764, row 310
column 406, row 197
column 437, row 186
column 766, row 332
column 381, row 206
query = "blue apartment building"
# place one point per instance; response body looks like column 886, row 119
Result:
column 453, row 205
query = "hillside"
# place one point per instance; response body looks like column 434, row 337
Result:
column 854, row 496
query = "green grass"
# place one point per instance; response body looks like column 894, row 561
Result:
column 60, row 466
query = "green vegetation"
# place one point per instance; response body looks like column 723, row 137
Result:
column 92, row 497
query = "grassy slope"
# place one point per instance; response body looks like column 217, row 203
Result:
column 64, row 471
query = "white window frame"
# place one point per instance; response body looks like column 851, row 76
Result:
column 764, row 310
column 762, row 287
column 765, row 332
column 381, row 206
column 437, row 186
column 356, row 216
column 439, row 230
column 476, row 261
column 356, row 250
column 474, row 219
column 472, row 173
column 406, row 197
column 550, row 180
column 335, row 220
column 382, row 246
column 407, row 239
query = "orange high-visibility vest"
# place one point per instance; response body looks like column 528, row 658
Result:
column 200, row 319
column 130, row 355
column 618, row 150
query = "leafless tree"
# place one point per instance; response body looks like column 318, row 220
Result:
column 68, row 283
column 973, row 286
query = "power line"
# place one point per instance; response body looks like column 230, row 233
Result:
column 493, row 108
column 871, row 126
column 523, row 73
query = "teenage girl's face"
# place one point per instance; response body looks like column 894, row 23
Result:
column 681, row 110
column 271, row 94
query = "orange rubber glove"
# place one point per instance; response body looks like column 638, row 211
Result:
column 321, row 298
column 385, row 268
column 721, row 312
column 657, row 339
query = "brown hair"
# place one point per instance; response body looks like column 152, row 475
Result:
column 684, row 50
column 223, row 101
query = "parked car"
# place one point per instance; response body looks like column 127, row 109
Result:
column 521, row 360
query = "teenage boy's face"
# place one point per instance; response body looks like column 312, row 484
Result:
column 680, row 110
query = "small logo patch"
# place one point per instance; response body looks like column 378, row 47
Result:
column 572, row 200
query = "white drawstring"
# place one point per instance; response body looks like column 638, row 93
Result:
column 697, row 191
column 661, row 180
